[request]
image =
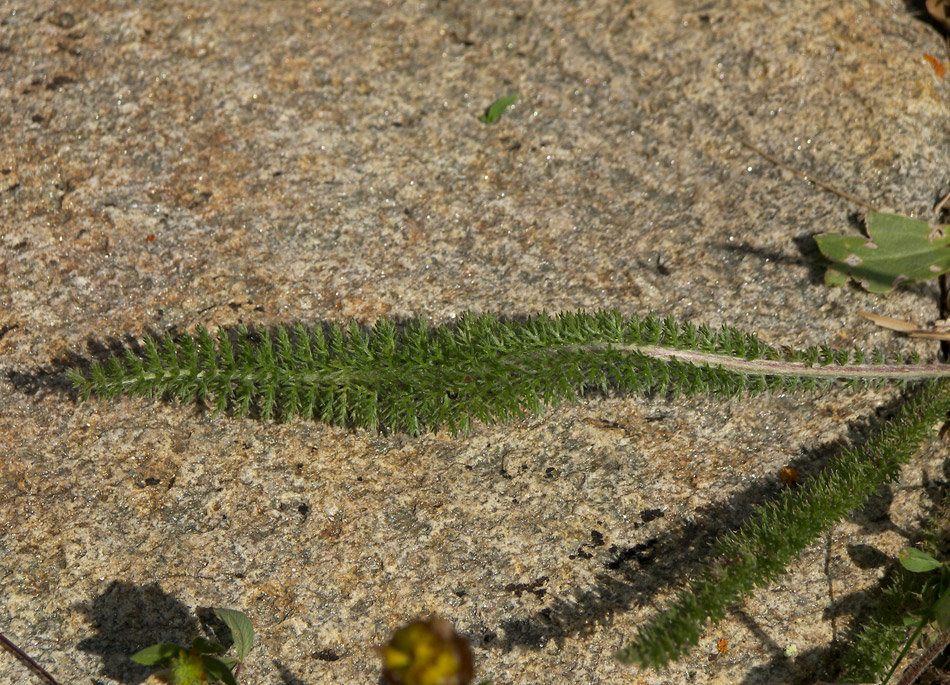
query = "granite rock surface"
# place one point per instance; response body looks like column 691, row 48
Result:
column 218, row 163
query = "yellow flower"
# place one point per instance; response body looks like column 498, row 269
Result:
column 427, row 653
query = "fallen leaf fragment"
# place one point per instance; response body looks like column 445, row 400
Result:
column 889, row 323
column 939, row 69
column 790, row 477
column 939, row 331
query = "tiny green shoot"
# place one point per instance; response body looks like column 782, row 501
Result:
column 934, row 609
column 497, row 108
column 202, row 663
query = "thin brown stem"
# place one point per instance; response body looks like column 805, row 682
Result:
column 808, row 177
column 942, row 204
column 25, row 658
column 912, row 672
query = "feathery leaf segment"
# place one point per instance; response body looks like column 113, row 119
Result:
column 779, row 531
column 418, row 376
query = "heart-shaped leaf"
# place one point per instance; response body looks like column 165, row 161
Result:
column 898, row 250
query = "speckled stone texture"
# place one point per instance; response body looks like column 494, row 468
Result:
column 165, row 165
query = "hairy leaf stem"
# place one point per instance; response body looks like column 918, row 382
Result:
column 773, row 367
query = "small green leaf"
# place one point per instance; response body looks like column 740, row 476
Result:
column 898, row 250
column 916, row 561
column 206, row 647
column 156, row 654
column 218, row 670
column 241, row 630
column 942, row 611
column 496, row 109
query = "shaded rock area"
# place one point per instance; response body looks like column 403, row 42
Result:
column 169, row 165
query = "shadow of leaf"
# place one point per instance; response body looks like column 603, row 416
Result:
column 127, row 618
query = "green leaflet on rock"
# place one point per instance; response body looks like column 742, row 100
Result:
column 494, row 111
column 242, row 632
column 898, row 250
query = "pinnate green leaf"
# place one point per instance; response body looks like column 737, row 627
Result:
column 898, row 250
column 241, row 630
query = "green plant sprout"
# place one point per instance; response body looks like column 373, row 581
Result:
column 897, row 250
column 933, row 609
column 494, row 111
column 199, row 664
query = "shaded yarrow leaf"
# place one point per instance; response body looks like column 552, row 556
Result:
column 758, row 553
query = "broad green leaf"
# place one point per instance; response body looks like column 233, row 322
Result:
column 241, row 630
column 897, row 250
column 156, row 654
column 916, row 561
column 218, row 670
column 497, row 108
column 206, row 647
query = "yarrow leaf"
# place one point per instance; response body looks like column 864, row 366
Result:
column 418, row 377
column 779, row 531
